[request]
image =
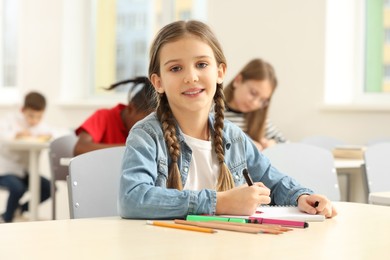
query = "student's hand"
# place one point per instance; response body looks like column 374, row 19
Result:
column 307, row 203
column 258, row 145
column 267, row 142
column 22, row 134
column 242, row 200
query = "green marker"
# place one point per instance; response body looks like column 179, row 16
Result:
column 203, row 218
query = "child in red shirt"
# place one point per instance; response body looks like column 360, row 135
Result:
column 110, row 127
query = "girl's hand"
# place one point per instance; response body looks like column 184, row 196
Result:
column 308, row 204
column 242, row 200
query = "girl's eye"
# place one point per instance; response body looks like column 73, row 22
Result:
column 202, row 65
column 175, row 69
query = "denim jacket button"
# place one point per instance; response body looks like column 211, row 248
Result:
column 236, row 177
column 227, row 146
column 185, row 169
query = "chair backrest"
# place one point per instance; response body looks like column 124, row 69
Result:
column 377, row 140
column 61, row 147
column 377, row 165
column 93, row 183
column 311, row 166
column 323, row 141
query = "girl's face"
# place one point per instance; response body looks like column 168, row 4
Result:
column 188, row 75
column 250, row 95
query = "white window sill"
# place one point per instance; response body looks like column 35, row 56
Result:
column 356, row 107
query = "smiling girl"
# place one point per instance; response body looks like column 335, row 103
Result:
column 183, row 159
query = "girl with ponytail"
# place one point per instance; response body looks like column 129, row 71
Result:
column 110, row 127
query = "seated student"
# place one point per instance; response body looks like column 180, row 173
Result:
column 13, row 170
column 248, row 97
column 110, row 127
column 182, row 159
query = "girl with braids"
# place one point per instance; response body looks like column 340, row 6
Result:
column 110, row 127
column 248, row 96
column 184, row 159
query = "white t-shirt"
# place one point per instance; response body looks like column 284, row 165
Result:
column 204, row 167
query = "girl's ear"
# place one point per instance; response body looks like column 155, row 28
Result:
column 156, row 81
column 221, row 73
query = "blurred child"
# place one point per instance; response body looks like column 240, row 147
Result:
column 110, row 127
column 248, row 97
column 13, row 167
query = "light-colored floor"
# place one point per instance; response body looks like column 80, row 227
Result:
column 62, row 209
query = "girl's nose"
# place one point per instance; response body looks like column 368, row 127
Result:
column 191, row 76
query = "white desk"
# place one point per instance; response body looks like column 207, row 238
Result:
column 347, row 163
column 380, row 198
column 65, row 161
column 356, row 187
column 34, row 149
column 360, row 231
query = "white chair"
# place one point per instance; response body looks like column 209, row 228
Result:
column 93, row 183
column 377, row 164
column 323, row 141
column 61, row 147
column 377, row 140
column 311, row 166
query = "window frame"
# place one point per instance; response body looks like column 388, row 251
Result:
column 9, row 94
column 345, row 58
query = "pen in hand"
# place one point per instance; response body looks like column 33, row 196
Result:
column 247, row 177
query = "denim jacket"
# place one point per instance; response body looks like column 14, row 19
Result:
column 143, row 193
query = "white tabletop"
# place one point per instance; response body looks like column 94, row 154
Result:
column 360, row 231
column 348, row 163
column 25, row 144
column 380, row 198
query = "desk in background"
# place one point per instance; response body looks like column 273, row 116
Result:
column 360, row 231
column 34, row 149
column 356, row 186
column 380, row 198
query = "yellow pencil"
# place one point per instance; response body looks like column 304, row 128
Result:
column 178, row 226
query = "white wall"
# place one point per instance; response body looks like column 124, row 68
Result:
column 289, row 34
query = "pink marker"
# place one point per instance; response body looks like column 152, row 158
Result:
column 282, row 222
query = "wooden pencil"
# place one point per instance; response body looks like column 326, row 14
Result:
column 228, row 226
column 267, row 226
column 178, row 226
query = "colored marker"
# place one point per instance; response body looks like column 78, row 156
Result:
column 247, row 177
column 282, row 222
column 203, row 218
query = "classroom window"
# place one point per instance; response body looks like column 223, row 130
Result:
column 358, row 53
column 8, row 49
column 123, row 31
column 108, row 41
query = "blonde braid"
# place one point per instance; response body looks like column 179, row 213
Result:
column 225, row 179
column 164, row 113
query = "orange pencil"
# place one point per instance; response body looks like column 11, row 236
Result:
column 178, row 226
